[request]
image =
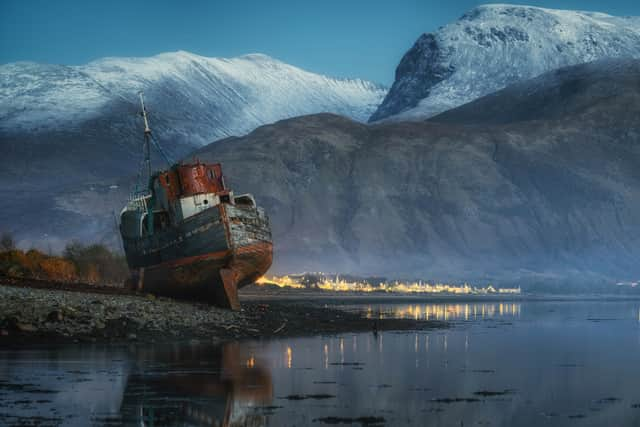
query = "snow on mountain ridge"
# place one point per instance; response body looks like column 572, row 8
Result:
column 495, row 45
column 225, row 96
column 35, row 95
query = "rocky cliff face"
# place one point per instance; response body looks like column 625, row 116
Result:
column 551, row 194
column 493, row 46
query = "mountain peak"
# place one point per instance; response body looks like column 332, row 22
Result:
column 259, row 57
column 190, row 56
column 495, row 45
column 180, row 54
column 526, row 11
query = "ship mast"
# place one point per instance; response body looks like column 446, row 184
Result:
column 147, row 137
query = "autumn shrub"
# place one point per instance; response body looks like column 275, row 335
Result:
column 96, row 263
column 59, row 269
column 33, row 260
column 79, row 263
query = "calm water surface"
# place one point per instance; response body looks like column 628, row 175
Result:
column 510, row 364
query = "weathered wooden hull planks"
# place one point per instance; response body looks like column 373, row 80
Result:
column 207, row 258
column 213, row 278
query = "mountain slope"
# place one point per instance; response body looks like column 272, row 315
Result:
column 221, row 96
column 556, row 196
column 85, row 118
column 493, row 46
column 558, row 93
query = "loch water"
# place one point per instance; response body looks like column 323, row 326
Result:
column 532, row 363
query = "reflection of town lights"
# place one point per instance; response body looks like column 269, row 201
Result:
column 453, row 311
column 340, row 285
column 326, row 356
column 289, row 357
column 251, row 362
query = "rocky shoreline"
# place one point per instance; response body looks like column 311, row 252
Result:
column 41, row 316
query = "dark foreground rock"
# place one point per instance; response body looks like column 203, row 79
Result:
column 29, row 315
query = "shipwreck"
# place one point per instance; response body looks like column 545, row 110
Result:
column 187, row 236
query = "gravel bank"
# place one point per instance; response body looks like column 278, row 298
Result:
column 30, row 315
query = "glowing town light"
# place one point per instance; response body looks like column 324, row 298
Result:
column 337, row 284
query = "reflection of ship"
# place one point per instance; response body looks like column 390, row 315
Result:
column 188, row 236
column 184, row 391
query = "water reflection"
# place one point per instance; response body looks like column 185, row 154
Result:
column 197, row 385
column 444, row 312
column 548, row 364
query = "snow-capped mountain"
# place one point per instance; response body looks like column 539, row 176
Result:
column 495, row 45
column 202, row 98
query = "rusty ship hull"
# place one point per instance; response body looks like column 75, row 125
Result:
column 186, row 235
column 205, row 242
column 207, row 258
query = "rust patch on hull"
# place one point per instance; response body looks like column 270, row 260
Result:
column 214, row 278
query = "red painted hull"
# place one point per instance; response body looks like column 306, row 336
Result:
column 213, row 278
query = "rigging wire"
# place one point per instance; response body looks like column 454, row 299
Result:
column 164, row 155
column 149, row 137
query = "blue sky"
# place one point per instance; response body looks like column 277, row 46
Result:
column 348, row 38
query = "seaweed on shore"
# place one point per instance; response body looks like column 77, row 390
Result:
column 490, row 393
column 605, row 400
column 364, row 421
column 308, row 396
column 455, row 400
column 113, row 316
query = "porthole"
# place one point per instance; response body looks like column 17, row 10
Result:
column 206, row 202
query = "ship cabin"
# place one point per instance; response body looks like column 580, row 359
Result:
column 174, row 196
